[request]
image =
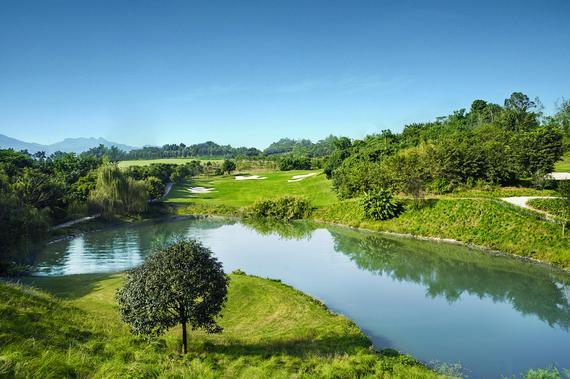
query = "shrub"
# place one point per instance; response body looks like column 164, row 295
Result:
column 381, row 205
column 283, row 208
column 154, row 187
column 290, row 162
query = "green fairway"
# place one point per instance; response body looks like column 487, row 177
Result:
column 227, row 191
column 147, row 162
column 270, row 330
column 564, row 164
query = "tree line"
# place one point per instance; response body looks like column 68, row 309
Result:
column 487, row 145
column 37, row 192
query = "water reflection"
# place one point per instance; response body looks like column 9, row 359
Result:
column 494, row 314
column 449, row 272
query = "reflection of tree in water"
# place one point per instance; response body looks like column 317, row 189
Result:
column 449, row 271
column 154, row 235
column 295, row 230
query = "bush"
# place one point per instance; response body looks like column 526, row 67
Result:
column 283, row 208
column 289, row 162
column 154, row 187
column 381, row 205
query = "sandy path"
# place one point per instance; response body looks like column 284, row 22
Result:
column 167, row 189
column 560, row 175
column 521, row 201
column 73, row 222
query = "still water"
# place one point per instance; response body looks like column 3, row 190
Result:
column 441, row 303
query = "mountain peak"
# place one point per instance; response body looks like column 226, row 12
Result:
column 68, row 145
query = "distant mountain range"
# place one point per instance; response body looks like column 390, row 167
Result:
column 68, row 145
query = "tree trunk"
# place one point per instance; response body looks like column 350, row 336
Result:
column 184, row 337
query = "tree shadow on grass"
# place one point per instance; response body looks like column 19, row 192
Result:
column 69, row 287
column 298, row 347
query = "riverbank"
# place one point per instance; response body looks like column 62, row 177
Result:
column 486, row 223
column 71, row 328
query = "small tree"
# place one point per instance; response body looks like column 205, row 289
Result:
column 179, row 284
column 228, row 166
column 155, row 187
column 380, row 205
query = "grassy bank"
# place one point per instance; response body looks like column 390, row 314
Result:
column 564, row 164
column 270, row 330
column 484, row 222
column 553, row 206
column 475, row 217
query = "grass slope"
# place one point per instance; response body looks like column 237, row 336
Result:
column 230, row 192
column 553, row 206
column 270, row 330
column 483, row 222
column 147, row 162
column 564, row 164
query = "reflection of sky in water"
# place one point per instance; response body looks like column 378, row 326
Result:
column 438, row 302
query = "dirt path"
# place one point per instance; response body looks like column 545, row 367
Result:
column 73, row 222
column 167, row 189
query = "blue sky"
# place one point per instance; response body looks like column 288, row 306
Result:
column 250, row 72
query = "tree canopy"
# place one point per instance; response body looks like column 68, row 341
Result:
column 179, row 284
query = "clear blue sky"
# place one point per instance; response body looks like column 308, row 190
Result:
column 250, row 72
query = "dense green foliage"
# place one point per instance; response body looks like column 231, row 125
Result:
column 228, row 166
column 292, row 162
column 302, row 147
column 36, row 192
column 380, row 204
column 180, row 284
column 489, row 144
column 270, row 331
column 283, row 208
column 207, row 149
column 154, row 187
column 116, row 193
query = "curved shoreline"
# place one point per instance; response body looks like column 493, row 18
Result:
column 452, row 241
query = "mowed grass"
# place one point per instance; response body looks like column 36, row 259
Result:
column 229, row 192
column 270, row 330
column 564, row 164
column 147, row 162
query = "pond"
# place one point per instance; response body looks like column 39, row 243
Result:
column 494, row 315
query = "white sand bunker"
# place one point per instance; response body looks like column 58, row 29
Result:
column 200, row 190
column 250, row 177
column 298, row 178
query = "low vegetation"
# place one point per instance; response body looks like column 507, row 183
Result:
column 270, row 330
column 380, row 205
column 285, row 208
column 556, row 207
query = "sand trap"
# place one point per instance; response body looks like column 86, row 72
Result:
column 200, row 190
column 250, row 177
column 298, row 178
